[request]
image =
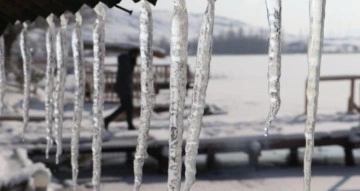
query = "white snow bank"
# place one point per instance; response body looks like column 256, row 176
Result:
column 17, row 168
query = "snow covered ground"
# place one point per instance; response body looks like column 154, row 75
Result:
column 238, row 85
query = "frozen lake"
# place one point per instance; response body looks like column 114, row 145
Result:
column 239, row 83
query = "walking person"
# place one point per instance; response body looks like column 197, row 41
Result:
column 124, row 87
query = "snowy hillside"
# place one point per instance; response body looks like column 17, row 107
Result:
column 348, row 45
column 331, row 45
column 121, row 27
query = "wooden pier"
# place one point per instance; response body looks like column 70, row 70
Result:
column 251, row 145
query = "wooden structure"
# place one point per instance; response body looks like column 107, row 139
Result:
column 351, row 102
column 250, row 144
column 161, row 81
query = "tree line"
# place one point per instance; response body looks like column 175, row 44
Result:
column 231, row 42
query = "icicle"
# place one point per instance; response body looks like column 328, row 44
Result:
column 79, row 69
column 2, row 74
column 61, row 57
column 202, row 71
column 274, row 70
column 147, row 90
column 26, row 56
column 179, row 45
column 50, row 73
column 99, row 54
column 317, row 17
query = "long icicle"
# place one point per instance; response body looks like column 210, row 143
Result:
column 99, row 54
column 49, row 88
column 317, row 18
column 147, row 90
column 26, row 56
column 178, row 80
column 274, row 70
column 2, row 74
column 79, row 70
column 61, row 57
column 202, row 70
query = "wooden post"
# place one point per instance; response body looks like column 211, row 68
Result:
column 254, row 150
column 293, row 157
column 210, row 160
column 351, row 98
column 349, row 156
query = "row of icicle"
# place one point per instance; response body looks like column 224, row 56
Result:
column 317, row 18
column 56, row 71
column 57, row 59
column 178, row 81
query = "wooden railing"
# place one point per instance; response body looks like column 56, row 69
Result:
column 161, row 81
column 351, row 103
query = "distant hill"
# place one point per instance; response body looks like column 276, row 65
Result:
column 231, row 36
column 122, row 27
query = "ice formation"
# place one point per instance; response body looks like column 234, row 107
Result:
column 274, row 68
column 317, row 17
column 202, row 71
column 178, row 80
column 98, row 100
column 147, row 90
column 49, row 87
column 2, row 74
column 61, row 57
column 26, row 56
column 79, row 70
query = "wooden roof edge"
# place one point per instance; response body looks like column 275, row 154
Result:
column 29, row 10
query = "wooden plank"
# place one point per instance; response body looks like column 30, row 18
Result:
column 252, row 145
column 339, row 77
column 109, row 146
column 31, row 118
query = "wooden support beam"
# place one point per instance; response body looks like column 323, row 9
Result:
column 210, row 160
column 293, row 158
column 349, row 156
column 351, row 96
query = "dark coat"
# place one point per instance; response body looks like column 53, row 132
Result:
column 124, row 77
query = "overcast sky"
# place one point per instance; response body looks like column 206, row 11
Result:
column 342, row 16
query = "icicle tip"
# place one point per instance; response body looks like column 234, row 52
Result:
column 78, row 17
column 100, row 9
column 63, row 20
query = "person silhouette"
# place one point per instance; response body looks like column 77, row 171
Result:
column 124, row 87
